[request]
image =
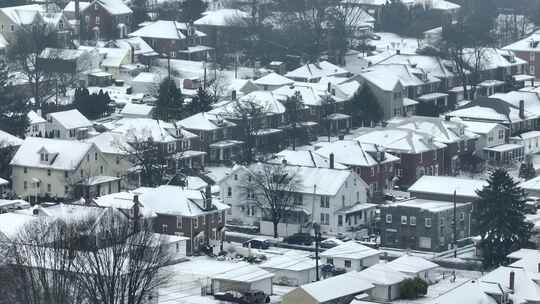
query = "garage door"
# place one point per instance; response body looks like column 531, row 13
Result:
column 424, row 242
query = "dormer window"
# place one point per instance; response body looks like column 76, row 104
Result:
column 44, row 156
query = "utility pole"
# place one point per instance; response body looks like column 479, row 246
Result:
column 317, row 229
column 455, row 226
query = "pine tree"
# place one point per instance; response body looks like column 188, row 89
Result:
column 293, row 106
column 13, row 107
column 192, row 10
column 364, row 107
column 201, row 102
column 140, row 12
column 499, row 216
column 169, row 104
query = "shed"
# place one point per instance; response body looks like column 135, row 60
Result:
column 242, row 279
column 351, row 256
column 291, row 270
column 386, row 281
column 414, row 266
column 339, row 289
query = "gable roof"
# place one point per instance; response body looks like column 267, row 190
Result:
column 343, row 285
column 223, row 18
column 71, row 119
column 114, row 7
column 316, row 70
column 111, row 143
column 23, row 14
column 354, row 153
column 410, row 264
column 382, row 274
column 160, row 29
column 69, row 153
column 444, row 131
column 142, row 128
column 7, row 139
column 205, row 121
column 447, row 185
column 273, row 79
column 350, row 250
column 400, row 140
column 526, row 288
column 269, row 103
column 304, row 159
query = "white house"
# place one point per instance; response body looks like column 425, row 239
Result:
column 530, row 140
column 386, row 281
column 116, row 150
column 37, row 125
column 351, row 256
column 490, row 134
column 291, row 269
column 44, row 167
column 322, row 200
column 415, row 267
column 69, row 124
column 243, row 278
column 134, row 110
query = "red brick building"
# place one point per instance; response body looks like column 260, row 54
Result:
column 105, row 20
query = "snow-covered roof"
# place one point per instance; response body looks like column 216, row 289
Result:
column 291, row 262
column 70, row 7
column 309, row 94
column 244, row 274
column 61, row 54
column 223, row 17
column 122, row 201
column 114, row 7
column 343, row 285
column 524, row 253
column 440, row 5
column 426, row 205
column 350, row 250
column 7, row 139
column 316, row 70
column 111, row 57
column 504, row 148
column 304, row 158
column 12, row 223
column 472, row 292
column 35, row 118
column 147, row 78
column 111, row 143
column 447, row 185
column 137, row 110
column 430, row 64
column 205, row 121
column 528, row 44
column 382, row 274
column 140, row 129
column 410, row 264
column 444, row 131
column 400, row 140
column 526, row 288
column 268, row 102
column 138, row 44
column 354, row 153
column 67, row 153
column 492, row 58
column 71, row 119
column 273, row 79
column 23, row 14
column 480, row 127
column 160, row 29
column 174, row 200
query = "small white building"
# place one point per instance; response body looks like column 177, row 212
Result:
column 37, row 125
column 386, row 281
column 243, row 278
column 69, row 124
column 415, row 267
column 529, row 140
column 132, row 110
column 351, row 256
column 339, row 289
column 490, row 134
column 291, row 269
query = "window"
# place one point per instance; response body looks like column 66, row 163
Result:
column 164, row 228
column 12, row 28
column 229, row 211
column 96, row 7
column 325, row 202
column 66, row 174
column 100, row 169
column 118, row 160
column 372, row 171
column 389, row 218
column 95, row 156
column 340, row 220
column 202, row 220
column 229, row 192
column 347, row 263
column 412, row 220
column 462, row 216
column 25, row 185
column 403, row 220
column 427, row 222
column 343, row 201
column 66, row 190
column 87, row 157
column 195, row 222
column 236, row 177
column 98, row 20
column 49, row 188
column 25, row 170
column 441, row 222
column 330, row 261
column 179, row 222
column 86, row 19
column 501, row 134
column 48, row 172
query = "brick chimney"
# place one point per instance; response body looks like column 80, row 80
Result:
column 521, row 109
column 136, row 213
column 331, row 160
column 208, row 197
column 233, row 95
column 512, row 280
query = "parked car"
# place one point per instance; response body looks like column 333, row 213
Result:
column 257, row 244
column 254, row 297
column 229, row 296
column 330, row 243
column 299, row 239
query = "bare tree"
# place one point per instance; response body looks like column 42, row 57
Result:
column 272, row 188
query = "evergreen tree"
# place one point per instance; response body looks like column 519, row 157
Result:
column 13, row 107
column 293, row 106
column 140, row 12
column 93, row 106
column 364, row 107
column 192, row 10
column 395, row 17
column 201, row 102
column 526, row 170
column 170, row 101
column 499, row 218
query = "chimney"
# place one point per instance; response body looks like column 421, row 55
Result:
column 284, row 161
column 136, row 212
column 233, row 95
column 447, row 117
column 331, row 160
column 398, row 52
column 521, row 109
column 208, row 197
column 341, row 137
column 512, row 280
column 329, row 88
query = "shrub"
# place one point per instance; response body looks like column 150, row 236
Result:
column 413, row 288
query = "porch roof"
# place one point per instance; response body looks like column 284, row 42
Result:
column 226, row 143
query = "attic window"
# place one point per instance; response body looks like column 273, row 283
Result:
column 44, row 156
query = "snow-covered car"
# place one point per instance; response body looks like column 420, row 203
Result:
column 331, row 243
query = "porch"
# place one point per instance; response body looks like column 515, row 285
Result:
column 225, row 150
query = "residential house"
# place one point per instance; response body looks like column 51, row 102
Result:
column 520, row 283
column 339, row 206
column 111, row 61
column 141, row 51
column 69, row 63
column 36, row 124
column 244, row 278
column 116, row 151
column 415, row 266
column 57, row 168
column 105, row 20
column 490, row 134
column 475, row 292
column 70, row 124
column 447, row 188
column 423, row 224
column 460, row 142
column 133, row 110
column 529, row 140
column 419, row 153
column 527, row 49
column 350, row 256
column 386, row 281
column 216, row 136
column 178, row 145
column 313, row 72
column 190, row 213
column 291, row 269
column 272, row 81
column 304, row 158
column 351, row 285
column 9, row 144
column 374, row 165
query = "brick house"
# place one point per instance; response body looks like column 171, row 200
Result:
column 527, row 49
column 423, row 224
column 419, row 153
column 374, row 165
column 105, row 20
column 176, row 211
column 441, row 188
